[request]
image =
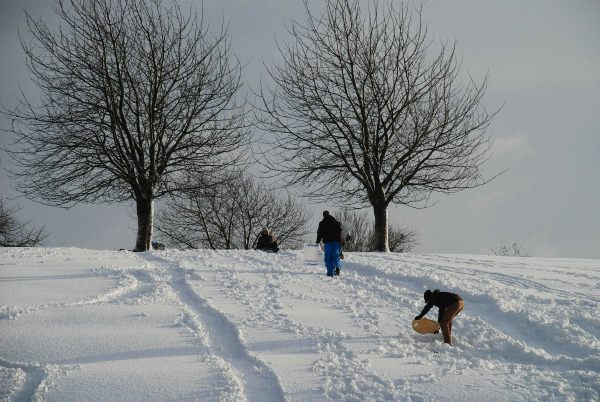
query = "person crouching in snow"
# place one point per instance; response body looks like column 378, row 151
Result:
column 448, row 304
column 266, row 242
column 330, row 231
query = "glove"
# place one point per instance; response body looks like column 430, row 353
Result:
column 341, row 256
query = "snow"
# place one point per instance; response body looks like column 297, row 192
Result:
column 94, row 325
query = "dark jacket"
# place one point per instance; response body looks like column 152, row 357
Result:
column 265, row 241
column 330, row 230
column 441, row 300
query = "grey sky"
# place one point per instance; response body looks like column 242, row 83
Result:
column 543, row 59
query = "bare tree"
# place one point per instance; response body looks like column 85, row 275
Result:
column 133, row 94
column 365, row 111
column 357, row 228
column 401, row 240
column 231, row 215
column 361, row 236
column 14, row 233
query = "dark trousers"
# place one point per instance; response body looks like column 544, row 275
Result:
column 270, row 248
column 446, row 322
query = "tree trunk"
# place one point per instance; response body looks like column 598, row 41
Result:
column 381, row 227
column 145, row 218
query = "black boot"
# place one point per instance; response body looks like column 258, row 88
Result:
column 337, row 271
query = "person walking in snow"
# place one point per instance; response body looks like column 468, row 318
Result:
column 330, row 232
column 448, row 304
column 266, row 242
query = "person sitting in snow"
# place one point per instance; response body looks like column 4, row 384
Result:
column 330, row 231
column 448, row 304
column 266, row 242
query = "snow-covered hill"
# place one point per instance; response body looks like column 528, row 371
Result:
column 81, row 325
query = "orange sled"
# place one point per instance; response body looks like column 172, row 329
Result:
column 425, row 326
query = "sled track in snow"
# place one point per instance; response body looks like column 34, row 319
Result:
column 34, row 375
column 253, row 380
column 37, row 378
column 345, row 375
column 33, row 386
column 124, row 284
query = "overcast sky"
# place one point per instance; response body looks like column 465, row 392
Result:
column 543, row 60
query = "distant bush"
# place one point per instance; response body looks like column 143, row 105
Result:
column 230, row 215
column 360, row 229
column 513, row 250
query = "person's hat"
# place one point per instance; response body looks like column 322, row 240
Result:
column 427, row 295
column 325, row 213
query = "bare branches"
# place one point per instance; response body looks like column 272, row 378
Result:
column 365, row 111
column 17, row 234
column 230, row 215
column 360, row 235
column 134, row 95
column 361, row 109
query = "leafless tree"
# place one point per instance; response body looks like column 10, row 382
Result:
column 231, row 215
column 133, row 94
column 401, row 240
column 361, row 236
column 366, row 111
column 356, row 228
column 14, row 233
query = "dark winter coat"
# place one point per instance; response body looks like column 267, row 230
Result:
column 265, row 241
column 441, row 300
column 330, row 230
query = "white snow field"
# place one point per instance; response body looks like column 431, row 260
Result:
column 89, row 325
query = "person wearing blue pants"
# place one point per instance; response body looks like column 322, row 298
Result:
column 332, row 257
column 330, row 232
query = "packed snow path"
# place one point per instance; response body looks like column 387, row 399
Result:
column 249, row 326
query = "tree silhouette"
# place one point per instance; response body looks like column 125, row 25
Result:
column 133, row 95
column 14, row 233
column 366, row 112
